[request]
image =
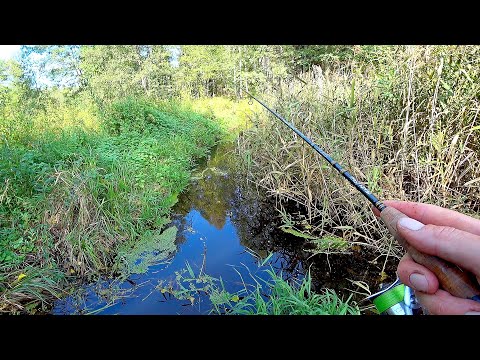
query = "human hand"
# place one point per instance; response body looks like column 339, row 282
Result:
column 447, row 234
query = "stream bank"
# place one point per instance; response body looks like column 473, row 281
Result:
column 224, row 228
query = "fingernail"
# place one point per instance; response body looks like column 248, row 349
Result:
column 472, row 313
column 410, row 224
column 419, row 282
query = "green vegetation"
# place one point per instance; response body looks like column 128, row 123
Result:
column 402, row 119
column 274, row 296
column 92, row 162
column 150, row 249
column 83, row 203
column 279, row 297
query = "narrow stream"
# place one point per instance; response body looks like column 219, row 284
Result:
column 218, row 233
column 225, row 228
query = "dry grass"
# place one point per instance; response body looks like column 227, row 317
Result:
column 406, row 126
column 30, row 289
column 79, row 224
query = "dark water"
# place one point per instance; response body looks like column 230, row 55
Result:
column 220, row 233
column 225, row 227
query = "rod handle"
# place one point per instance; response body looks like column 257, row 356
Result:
column 453, row 279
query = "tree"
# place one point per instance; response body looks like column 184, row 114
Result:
column 116, row 71
column 54, row 65
column 226, row 69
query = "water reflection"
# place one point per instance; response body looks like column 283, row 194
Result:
column 224, row 227
column 216, row 235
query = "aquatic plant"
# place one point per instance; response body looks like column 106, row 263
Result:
column 265, row 295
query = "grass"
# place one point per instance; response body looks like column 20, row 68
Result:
column 404, row 124
column 30, row 289
column 80, row 201
column 235, row 117
column 81, row 191
column 270, row 294
column 279, row 297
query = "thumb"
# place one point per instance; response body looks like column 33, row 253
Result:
column 459, row 247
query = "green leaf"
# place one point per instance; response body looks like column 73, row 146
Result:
column 297, row 233
column 190, row 271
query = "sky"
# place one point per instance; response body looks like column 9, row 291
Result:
column 8, row 51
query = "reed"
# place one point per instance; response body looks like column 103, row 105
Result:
column 406, row 125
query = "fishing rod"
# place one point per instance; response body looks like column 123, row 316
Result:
column 456, row 281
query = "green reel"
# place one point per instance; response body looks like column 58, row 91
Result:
column 395, row 299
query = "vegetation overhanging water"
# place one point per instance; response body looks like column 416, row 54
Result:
column 92, row 164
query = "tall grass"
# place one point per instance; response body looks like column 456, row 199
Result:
column 276, row 296
column 75, row 199
column 404, row 121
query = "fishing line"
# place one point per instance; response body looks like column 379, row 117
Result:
column 360, row 187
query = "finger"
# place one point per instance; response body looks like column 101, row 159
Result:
column 436, row 215
column 457, row 246
column 442, row 303
column 416, row 276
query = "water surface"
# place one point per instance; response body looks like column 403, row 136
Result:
column 215, row 236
